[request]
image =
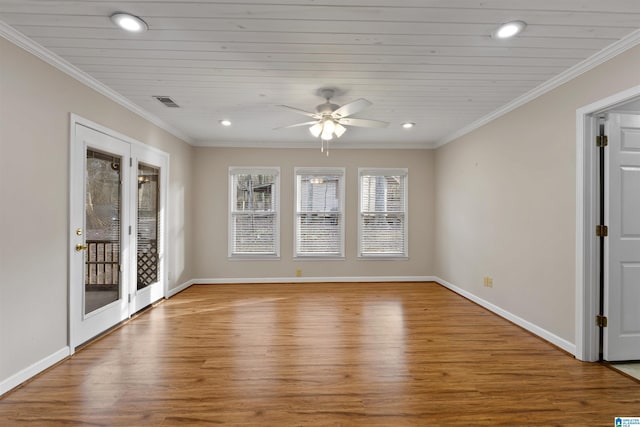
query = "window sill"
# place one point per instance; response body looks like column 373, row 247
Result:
column 383, row 258
column 319, row 258
column 253, row 258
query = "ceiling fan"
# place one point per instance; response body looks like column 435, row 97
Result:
column 330, row 119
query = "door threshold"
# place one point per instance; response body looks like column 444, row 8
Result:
column 119, row 325
column 629, row 369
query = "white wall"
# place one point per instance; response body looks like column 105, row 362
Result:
column 211, row 212
column 35, row 105
column 505, row 201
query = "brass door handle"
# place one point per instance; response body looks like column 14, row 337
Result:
column 80, row 247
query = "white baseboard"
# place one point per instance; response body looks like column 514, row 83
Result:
column 171, row 292
column 33, row 370
column 254, row 280
column 534, row 329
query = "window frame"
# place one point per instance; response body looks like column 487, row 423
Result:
column 384, row 172
column 320, row 171
column 254, row 170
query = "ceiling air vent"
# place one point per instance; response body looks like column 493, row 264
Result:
column 167, row 102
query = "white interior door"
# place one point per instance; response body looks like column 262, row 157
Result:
column 117, row 219
column 100, row 176
column 622, row 246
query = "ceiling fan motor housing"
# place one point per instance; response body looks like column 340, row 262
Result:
column 327, row 108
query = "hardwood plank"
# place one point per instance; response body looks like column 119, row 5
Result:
column 321, row 354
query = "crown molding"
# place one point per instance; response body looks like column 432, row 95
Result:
column 593, row 61
column 22, row 41
column 313, row 145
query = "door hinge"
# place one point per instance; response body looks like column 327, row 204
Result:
column 129, row 299
column 601, row 321
column 129, row 230
column 602, row 230
column 602, row 141
column 130, row 162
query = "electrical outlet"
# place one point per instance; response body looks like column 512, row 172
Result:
column 298, row 273
column 488, row 282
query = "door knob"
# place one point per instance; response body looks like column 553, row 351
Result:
column 80, row 247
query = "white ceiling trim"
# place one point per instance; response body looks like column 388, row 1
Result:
column 604, row 55
column 22, row 41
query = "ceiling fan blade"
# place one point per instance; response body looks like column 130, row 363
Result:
column 299, row 111
column 298, row 124
column 365, row 123
column 351, row 108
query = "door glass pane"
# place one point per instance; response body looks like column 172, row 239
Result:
column 102, row 223
column 148, row 218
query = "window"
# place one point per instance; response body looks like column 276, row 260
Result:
column 254, row 219
column 319, row 228
column 382, row 228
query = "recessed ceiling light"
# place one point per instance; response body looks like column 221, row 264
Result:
column 129, row 22
column 408, row 125
column 225, row 122
column 509, row 29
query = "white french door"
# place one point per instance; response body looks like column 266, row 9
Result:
column 117, row 217
column 148, row 219
column 622, row 246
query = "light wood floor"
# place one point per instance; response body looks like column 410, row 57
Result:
column 390, row 354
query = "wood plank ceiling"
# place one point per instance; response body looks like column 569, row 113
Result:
column 432, row 62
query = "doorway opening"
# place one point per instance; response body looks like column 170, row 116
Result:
column 118, row 204
column 592, row 255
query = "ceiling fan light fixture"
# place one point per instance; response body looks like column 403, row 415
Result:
column 129, row 22
column 327, row 130
column 340, row 130
column 509, row 29
column 316, row 130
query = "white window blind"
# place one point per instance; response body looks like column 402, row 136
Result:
column 253, row 214
column 319, row 228
column 382, row 227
